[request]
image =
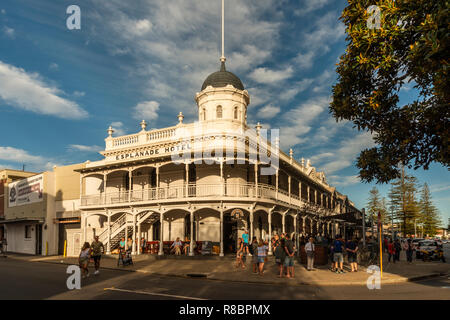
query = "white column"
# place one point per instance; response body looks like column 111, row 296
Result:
column 222, row 180
column 308, row 190
column 191, row 247
column 84, row 224
column 289, row 189
column 283, row 219
column 130, row 173
column 300, row 190
column 105, row 176
column 256, row 178
column 221, row 232
column 151, row 232
column 126, row 231
column 297, row 245
column 161, row 234
column 139, row 239
column 108, row 246
column 276, row 184
column 251, row 224
column 186, row 166
column 157, row 183
column 304, row 225
column 133, row 247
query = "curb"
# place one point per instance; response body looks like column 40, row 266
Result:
column 269, row 282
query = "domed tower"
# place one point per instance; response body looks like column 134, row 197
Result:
column 223, row 98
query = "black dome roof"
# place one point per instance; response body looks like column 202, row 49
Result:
column 223, row 78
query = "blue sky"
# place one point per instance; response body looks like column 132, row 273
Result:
column 60, row 89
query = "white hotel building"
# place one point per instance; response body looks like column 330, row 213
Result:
column 206, row 181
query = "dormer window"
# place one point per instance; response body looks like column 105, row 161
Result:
column 219, row 112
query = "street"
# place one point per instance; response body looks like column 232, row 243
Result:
column 37, row 280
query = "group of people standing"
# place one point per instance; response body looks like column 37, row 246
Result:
column 394, row 247
column 283, row 247
column 337, row 248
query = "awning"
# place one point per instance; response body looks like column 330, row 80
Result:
column 21, row 220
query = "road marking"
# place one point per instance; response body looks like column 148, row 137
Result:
column 154, row 294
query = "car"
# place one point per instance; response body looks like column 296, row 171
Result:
column 425, row 245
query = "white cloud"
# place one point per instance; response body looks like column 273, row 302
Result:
column 268, row 76
column 344, row 181
column 297, row 87
column 439, row 187
column 9, row 32
column 79, row 94
column 349, row 149
column 3, row 11
column 299, row 121
column 268, row 112
column 180, row 45
column 53, row 66
column 315, row 43
column 20, row 157
column 119, row 129
column 147, row 110
column 29, row 92
column 308, row 6
column 79, row 147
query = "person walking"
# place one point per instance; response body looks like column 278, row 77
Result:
column 280, row 255
column 310, row 249
column 331, row 255
column 398, row 249
column 143, row 245
column 352, row 248
column 262, row 254
column 409, row 248
column 97, row 249
column 391, row 251
column 3, row 244
column 239, row 254
column 338, row 257
column 245, row 239
column 289, row 248
column 83, row 259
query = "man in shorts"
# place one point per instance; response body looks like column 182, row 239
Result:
column 289, row 260
column 338, row 257
column 97, row 249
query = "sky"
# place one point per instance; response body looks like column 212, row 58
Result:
column 61, row 89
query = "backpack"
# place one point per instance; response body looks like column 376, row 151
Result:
column 337, row 246
column 250, row 249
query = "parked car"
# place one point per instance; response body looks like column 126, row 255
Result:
column 427, row 245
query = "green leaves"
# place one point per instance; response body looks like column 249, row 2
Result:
column 372, row 72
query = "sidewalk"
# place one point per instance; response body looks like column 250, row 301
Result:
column 223, row 269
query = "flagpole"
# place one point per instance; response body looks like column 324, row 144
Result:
column 381, row 245
column 223, row 32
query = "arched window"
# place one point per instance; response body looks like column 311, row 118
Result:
column 236, row 115
column 204, row 114
column 219, row 112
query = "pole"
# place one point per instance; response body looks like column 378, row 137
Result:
column 381, row 245
column 65, row 248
